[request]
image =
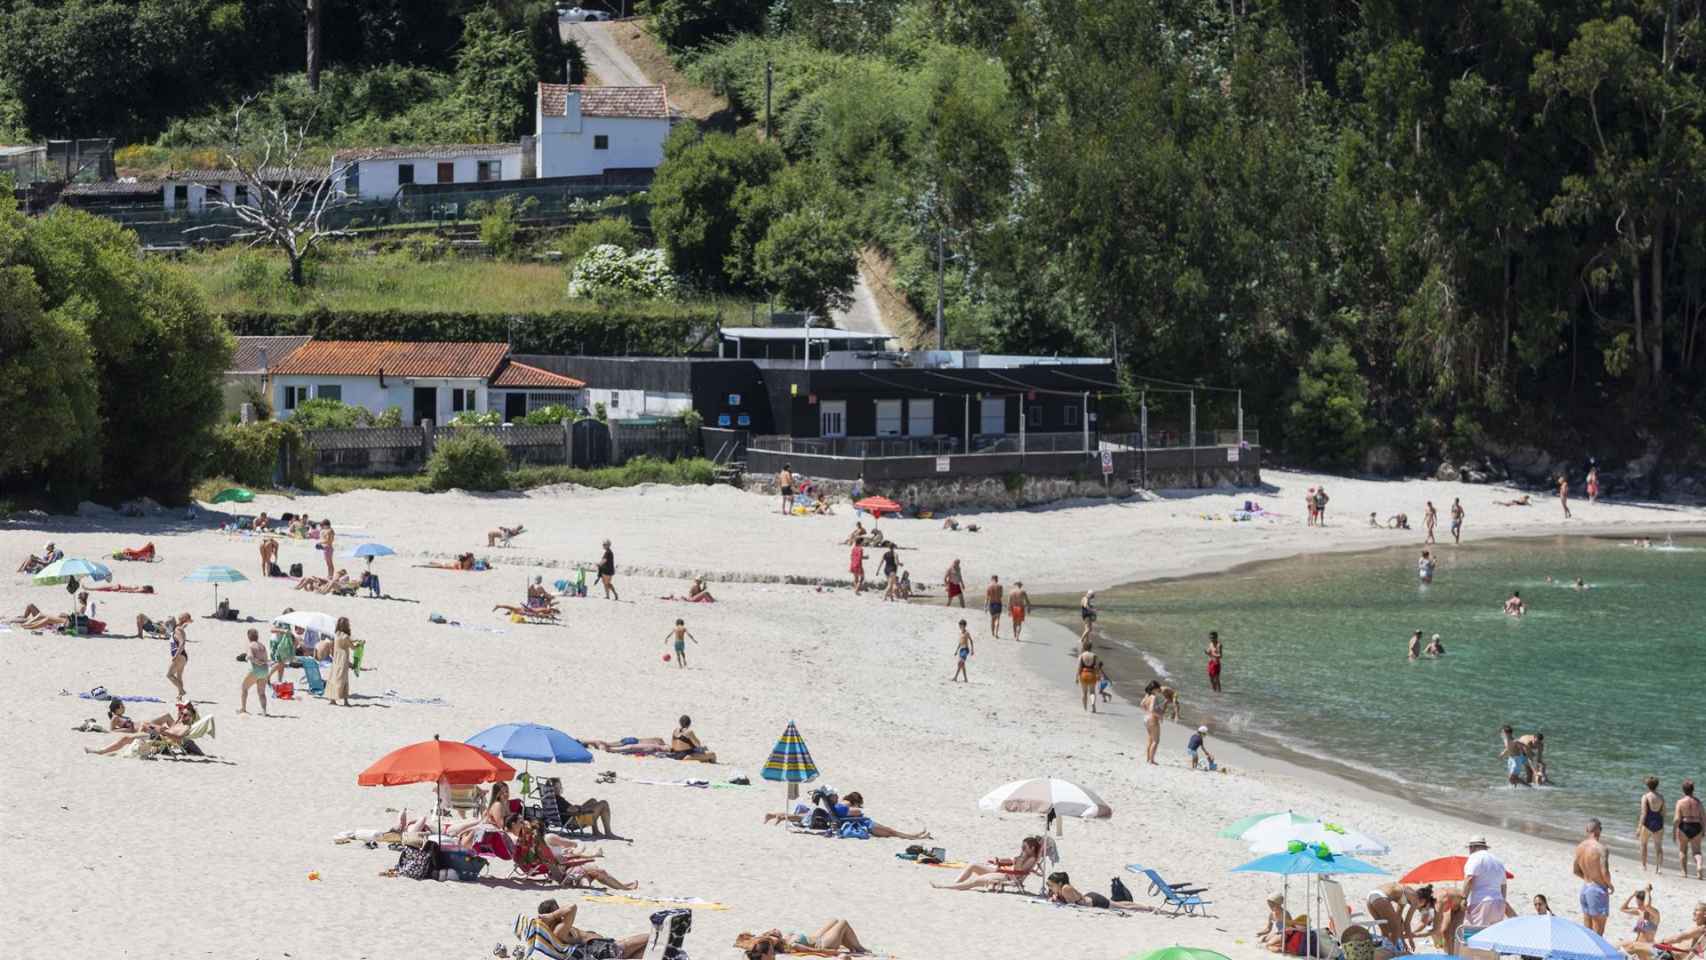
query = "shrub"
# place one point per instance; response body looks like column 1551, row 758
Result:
column 548, row 415
column 693, row 420
column 326, row 414
column 498, row 227
column 470, row 418
column 425, row 247
column 607, row 272
column 249, row 452
column 615, row 231
column 469, row 460
column 392, row 417
column 636, row 471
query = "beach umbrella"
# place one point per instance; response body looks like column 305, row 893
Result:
column 1044, row 794
column 1179, row 953
column 59, row 571
column 790, row 762
column 1277, row 834
column 1237, row 828
column 233, row 495
column 530, row 741
column 1549, row 937
column 1307, row 860
column 216, row 575
column 443, row 762
column 1441, row 870
column 877, row 506
column 371, row 550
column 321, row 623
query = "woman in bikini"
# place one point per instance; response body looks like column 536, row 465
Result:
column 1650, row 824
column 999, row 870
column 179, row 648
column 1689, row 819
column 175, row 730
column 1688, row 943
column 1152, row 707
column 1061, row 890
column 1646, row 926
column 532, row 849
column 1089, row 671
column 1398, row 909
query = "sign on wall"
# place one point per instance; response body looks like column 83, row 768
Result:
column 942, row 464
column 1107, row 463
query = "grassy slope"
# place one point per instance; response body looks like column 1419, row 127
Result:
column 636, row 40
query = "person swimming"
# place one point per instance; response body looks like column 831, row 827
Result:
column 1435, row 648
column 1425, row 567
column 1514, row 605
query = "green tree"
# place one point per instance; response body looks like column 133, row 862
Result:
column 688, row 24
column 1328, row 416
column 806, row 248
column 697, row 202
column 496, row 75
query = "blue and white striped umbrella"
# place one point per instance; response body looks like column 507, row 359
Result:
column 1549, row 937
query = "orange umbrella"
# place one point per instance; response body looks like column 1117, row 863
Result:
column 433, row 761
column 877, row 506
column 1441, row 870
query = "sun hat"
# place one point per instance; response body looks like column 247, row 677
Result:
column 1478, row 840
column 1202, row 729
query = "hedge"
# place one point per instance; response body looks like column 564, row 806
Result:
column 621, row 329
column 248, row 452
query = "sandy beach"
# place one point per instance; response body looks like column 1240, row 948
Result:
column 188, row 859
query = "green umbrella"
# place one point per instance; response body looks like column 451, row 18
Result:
column 1178, row 953
column 234, row 495
column 1237, row 828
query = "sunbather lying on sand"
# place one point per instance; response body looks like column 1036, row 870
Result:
column 529, row 609
column 696, row 593
column 531, row 849
column 463, row 561
column 979, row 876
column 142, row 554
column 117, row 722
column 683, row 744
column 829, row 811
column 1061, row 890
column 115, row 588
column 1522, row 501
column 175, row 731
column 337, row 584
column 34, row 618
column 503, row 535
column 833, row 936
column 561, row 923
column 35, row 563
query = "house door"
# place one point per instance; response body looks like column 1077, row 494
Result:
column 515, row 407
column 994, row 415
column 426, row 405
column 832, row 418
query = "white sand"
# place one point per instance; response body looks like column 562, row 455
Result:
column 149, row 859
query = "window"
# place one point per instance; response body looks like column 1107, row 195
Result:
column 241, row 194
column 405, row 173
column 994, row 418
column 294, row 396
column 1034, row 416
column 1071, row 415
column 888, row 418
column 615, row 400
column 832, row 418
column 490, row 170
column 352, row 180
column 447, row 172
column 600, row 142
column 181, row 196
column 920, row 418
column 329, row 391
column 461, row 400
column 538, row 401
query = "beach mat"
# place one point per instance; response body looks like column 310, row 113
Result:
column 622, row 898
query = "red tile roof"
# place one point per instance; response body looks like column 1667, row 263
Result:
column 646, row 103
column 366, row 358
column 518, row 375
column 251, row 351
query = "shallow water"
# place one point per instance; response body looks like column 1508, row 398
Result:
column 1316, row 663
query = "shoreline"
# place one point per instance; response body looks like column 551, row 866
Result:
column 1269, row 753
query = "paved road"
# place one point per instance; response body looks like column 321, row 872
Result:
column 862, row 315
column 603, row 57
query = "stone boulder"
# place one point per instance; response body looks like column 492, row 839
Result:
column 1447, row 472
column 1382, row 460
column 1471, row 473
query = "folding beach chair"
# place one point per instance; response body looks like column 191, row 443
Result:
column 539, row 941
column 311, row 675
column 1339, row 915
column 1183, row 899
column 552, row 814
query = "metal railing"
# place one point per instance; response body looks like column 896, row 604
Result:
column 940, row 445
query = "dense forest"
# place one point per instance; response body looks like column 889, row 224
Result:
column 1406, row 229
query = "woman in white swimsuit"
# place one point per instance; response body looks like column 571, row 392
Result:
column 1151, row 706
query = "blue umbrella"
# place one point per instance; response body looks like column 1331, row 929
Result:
column 216, row 575
column 371, row 550
column 65, row 568
column 1309, row 860
column 1549, row 937
column 531, row 741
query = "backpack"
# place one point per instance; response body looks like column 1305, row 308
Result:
column 273, row 570
column 417, row 863
column 1117, row 891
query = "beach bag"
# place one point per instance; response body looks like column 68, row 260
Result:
column 856, row 829
column 296, row 570
column 671, row 928
column 273, row 570
column 603, row 948
column 466, row 866
column 416, row 862
column 1117, row 891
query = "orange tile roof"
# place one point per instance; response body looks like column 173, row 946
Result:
column 648, row 103
column 367, row 358
column 517, row 374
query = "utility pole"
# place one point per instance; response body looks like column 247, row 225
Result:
column 941, row 337
column 769, row 82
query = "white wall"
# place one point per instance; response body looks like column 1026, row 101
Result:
column 626, row 404
column 565, row 144
column 398, row 392
column 377, row 179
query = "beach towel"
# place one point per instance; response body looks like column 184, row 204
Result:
column 418, row 701
column 693, row 902
column 118, row 589
column 100, row 693
column 675, row 783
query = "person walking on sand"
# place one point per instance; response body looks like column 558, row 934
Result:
column 1593, row 483
column 1650, row 824
column 954, row 582
column 1456, row 520
column 1089, row 671
column 1151, row 707
column 179, row 648
column 343, row 648
column 1593, row 865
column 606, row 571
column 269, row 555
column 327, row 540
column 1309, row 505
column 257, row 675
column 1216, row 653
column 1429, row 517
column 992, row 602
column 1320, row 506
column 963, row 650
column 785, row 483
column 1564, row 501
column 856, row 566
column 1484, row 887
column 680, row 635
column 1690, row 821
column 1018, row 607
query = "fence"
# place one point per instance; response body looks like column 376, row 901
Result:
column 367, row 450
column 659, row 439
column 936, row 446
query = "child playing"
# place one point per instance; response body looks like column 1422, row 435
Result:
column 680, row 635
column 1197, row 745
column 961, row 652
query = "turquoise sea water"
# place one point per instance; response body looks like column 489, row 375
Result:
column 1614, row 675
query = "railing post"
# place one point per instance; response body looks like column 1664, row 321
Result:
column 568, row 442
column 426, row 441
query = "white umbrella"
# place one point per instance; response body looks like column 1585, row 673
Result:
column 1276, row 835
column 322, row 623
column 1043, row 794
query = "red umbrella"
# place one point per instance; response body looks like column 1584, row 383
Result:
column 1441, row 870
column 877, row 506
column 435, row 760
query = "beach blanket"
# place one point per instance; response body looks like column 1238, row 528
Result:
column 419, row 701
column 442, row 620
column 702, row 598
column 1105, row 911
column 675, row 783
column 100, row 693
column 693, row 902
column 118, row 589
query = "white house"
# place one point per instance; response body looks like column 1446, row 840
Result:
column 198, row 191
column 377, row 173
column 584, row 131
column 426, row 381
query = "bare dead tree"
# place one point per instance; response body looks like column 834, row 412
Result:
column 280, row 202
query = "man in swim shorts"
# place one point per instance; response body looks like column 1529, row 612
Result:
column 1215, row 653
column 1456, row 520
column 1515, row 756
column 1593, row 865
column 785, row 482
column 992, row 603
column 1690, row 819
column 1535, row 744
column 1018, row 606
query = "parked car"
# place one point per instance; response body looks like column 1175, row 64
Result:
column 581, row 14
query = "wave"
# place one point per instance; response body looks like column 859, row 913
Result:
column 1155, row 664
